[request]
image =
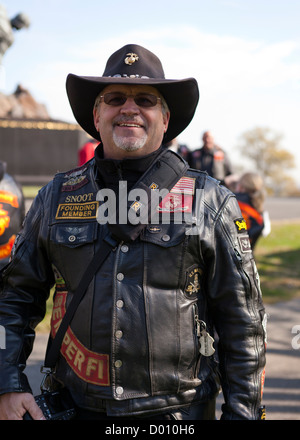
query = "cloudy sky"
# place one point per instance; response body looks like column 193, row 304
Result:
column 245, row 55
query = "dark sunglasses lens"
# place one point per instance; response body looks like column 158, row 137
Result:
column 146, row 100
column 115, row 99
column 142, row 100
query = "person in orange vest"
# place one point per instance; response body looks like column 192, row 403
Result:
column 250, row 195
column 12, row 213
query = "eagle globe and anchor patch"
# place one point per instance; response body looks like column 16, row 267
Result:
column 193, row 285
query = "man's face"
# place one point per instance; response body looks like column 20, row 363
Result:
column 208, row 140
column 130, row 130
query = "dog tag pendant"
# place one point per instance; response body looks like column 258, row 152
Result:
column 206, row 344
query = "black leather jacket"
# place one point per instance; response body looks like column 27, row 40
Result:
column 134, row 339
column 12, row 213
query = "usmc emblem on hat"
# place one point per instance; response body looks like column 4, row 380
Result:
column 131, row 58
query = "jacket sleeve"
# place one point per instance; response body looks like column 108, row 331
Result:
column 25, row 287
column 235, row 304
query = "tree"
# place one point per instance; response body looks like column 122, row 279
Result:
column 263, row 147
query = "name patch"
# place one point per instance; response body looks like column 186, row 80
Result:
column 77, row 210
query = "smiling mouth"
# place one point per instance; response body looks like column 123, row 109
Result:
column 127, row 124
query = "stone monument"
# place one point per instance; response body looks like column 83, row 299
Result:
column 7, row 26
column 34, row 145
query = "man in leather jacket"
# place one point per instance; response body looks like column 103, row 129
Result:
column 141, row 342
column 211, row 158
column 12, row 213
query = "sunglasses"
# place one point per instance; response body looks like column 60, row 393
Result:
column 117, row 99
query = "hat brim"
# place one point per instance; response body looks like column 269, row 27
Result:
column 181, row 96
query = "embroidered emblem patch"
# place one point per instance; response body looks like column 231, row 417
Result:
column 240, row 225
column 193, row 281
column 244, row 243
column 176, row 203
column 74, row 183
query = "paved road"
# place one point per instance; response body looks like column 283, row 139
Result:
column 282, row 385
column 285, row 208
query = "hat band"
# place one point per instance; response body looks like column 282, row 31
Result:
column 124, row 75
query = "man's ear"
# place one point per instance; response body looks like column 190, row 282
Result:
column 166, row 119
column 96, row 118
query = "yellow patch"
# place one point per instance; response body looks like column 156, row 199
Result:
column 79, row 211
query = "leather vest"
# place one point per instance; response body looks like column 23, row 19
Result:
column 138, row 337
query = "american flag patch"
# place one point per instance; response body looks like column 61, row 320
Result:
column 186, row 185
column 180, row 197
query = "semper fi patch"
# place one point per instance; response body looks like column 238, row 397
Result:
column 180, row 198
column 90, row 366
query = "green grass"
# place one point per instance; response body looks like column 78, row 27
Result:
column 278, row 262
column 30, row 191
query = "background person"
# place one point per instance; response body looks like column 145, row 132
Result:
column 12, row 213
column 87, row 151
column 250, row 194
column 181, row 149
column 211, row 158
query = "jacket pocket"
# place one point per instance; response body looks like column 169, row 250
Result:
column 72, row 249
column 164, row 235
column 73, row 235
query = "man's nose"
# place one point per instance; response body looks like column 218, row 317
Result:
column 130, row 106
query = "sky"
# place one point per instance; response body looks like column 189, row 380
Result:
column 245, row 55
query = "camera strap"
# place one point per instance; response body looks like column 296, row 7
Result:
column 165, row 172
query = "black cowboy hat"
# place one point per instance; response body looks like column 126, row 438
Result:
column 133, row 64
